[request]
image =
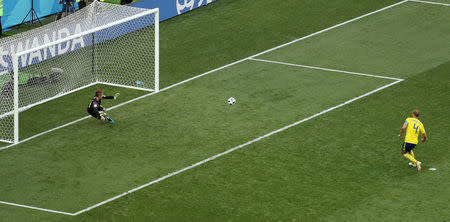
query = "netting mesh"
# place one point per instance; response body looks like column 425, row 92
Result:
column 117, row 46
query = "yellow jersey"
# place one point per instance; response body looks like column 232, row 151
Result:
column 414, row 128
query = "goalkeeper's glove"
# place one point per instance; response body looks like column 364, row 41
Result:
column 116, row 95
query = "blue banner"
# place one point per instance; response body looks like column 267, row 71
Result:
column 168, row 9
column 14, row 11
column 172, row 8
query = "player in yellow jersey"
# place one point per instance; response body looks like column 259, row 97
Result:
column 413, row 128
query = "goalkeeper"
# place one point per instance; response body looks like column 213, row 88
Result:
column 96, row 110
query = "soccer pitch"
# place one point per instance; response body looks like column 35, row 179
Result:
column 312, row 135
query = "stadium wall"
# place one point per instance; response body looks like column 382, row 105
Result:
column 16, row 10
column 172, row 8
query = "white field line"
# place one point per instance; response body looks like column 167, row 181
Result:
column 43, row 133
column 330, row 28
column 211, row 71
column 121, row 104
column 21, row 109
column 5, row 141
column 325, row 69
column 37, row 208
column 124, row 86
column 205, row 160
column 234, row 148
column 195, row 77
column 433, row 3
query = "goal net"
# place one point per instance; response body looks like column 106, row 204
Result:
column 100, row 44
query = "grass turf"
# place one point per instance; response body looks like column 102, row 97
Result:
column 347, row 167
column 385, row 43
column 264, row 91
column 329, row 165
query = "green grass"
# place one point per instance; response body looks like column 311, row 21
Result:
column 68, row 108
column 139, row 61
column 442, row 1
column 362, row 46
column 342, row 166
column 198, row 108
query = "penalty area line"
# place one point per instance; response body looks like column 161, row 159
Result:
column 235, row 148
column 122, row 104
column 330, row 28
column 214, row 70
column 203, row 161
column 325, row 69
column 37, row 208
column 220, row 154
column 432, row 3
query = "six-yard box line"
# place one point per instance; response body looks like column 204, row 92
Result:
column 242, row 145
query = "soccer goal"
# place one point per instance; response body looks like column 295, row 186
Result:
column 101, row 44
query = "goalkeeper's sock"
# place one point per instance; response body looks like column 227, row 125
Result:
column 109, row 119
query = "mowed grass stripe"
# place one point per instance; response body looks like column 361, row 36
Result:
column 400, row 42
column 169, row 132
column 227, row 39
column 343, row 166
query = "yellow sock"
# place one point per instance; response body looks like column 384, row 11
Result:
column 410, row 157
column 412, row 154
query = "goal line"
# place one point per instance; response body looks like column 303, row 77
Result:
column 227, row 151
column 212, row 71
column 209, row 158
column 76, row 52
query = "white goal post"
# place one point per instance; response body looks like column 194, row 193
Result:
column 109, row 44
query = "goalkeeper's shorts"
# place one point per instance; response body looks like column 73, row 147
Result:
column 94, row 114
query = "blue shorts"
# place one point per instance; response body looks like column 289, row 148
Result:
column 407, row 147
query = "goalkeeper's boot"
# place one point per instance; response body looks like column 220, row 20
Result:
column 419, row 166
column 109, row 119
column 412, row 164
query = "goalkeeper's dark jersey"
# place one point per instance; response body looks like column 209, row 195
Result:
column 95, row 106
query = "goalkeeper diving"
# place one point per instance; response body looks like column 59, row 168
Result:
column 96, row 109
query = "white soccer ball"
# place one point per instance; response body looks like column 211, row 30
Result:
column 231, row 101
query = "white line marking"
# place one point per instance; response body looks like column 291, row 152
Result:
column 43, row 133
column 211, row 71
column 433, row 3
column 325, row 69
column 37, row 208
column 234, row 149
column 330, row 28
column 21, row 109
column 188, row 80
column 122, row 104
column 5, row 141
column 125, row 86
